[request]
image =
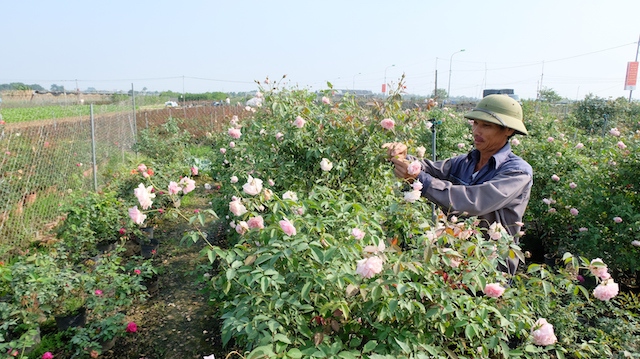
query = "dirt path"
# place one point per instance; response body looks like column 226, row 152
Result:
column 177, row 322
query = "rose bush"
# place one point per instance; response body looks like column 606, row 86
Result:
column 412, row 284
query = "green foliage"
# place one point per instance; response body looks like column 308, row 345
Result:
column 166, row 144
column 596, row 176
column 302, row 295
column 20, row 86
column 596, row 115
column 91, row 219
column 549, row 95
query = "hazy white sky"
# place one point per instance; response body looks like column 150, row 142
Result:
column 574, row 47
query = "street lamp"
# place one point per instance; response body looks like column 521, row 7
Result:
column 354, row 80
column 450, row 61
column 385, row 79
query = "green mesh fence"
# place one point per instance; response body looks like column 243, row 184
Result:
column 42, row 162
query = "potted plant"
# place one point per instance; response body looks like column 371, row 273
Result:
column 92, row 225
column 152, row 204
column 68, row 305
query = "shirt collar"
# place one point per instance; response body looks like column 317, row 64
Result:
column 499, row 157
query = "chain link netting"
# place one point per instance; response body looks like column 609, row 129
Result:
column 43, row 162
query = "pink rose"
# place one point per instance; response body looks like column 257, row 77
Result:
column 188, row 183
column 137, row 271
column 549, row 139
column 368, row 267
column 47, row 355
column 194, row 171
column 299, row 122
column 174, row 188
column 137, row 216
column 326, row 100
column 617, row 219
column 234, row 179
column 417, row 186
column 599, row 269
column 98, row 293
column 572, row 185
column 621, row 145
column 234, row 133
column 542, row 333
column 614, row 131
column 242, row 227
column 237, row 208
column 223, row 150
column 253, row 186
column 387, row 124
column 579, row 146
column 256, row 222
column 414, row 168
column 606, row 290
column 142, row 168
column 132, row 327
column 288, row 227
column 555, row 178
column 357, row 233
column 515, row 142
column 145, row 195
column 573, row 211
column 493, row 290
column 412, row 196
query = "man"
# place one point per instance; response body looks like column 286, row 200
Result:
column 489, row 182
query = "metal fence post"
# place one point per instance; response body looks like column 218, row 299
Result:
column 93, row 150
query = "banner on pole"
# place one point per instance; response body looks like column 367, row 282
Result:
column 384, row 88
column 632, row 75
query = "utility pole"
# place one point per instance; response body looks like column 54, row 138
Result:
column 637, row 48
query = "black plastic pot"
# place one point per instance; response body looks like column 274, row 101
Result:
column 149, row 248
column 77, row 319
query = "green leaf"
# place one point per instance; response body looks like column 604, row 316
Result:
column 371, row 345
column 231, row 273
column 470, row 331
column 264, row 351
column 264, row 284
column 304, row 293
column 347, row 355
column 281, row 338
column 531, row 348
column 294, row 353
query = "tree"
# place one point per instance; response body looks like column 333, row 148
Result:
column 56, row 88
column 549, row 95
column 439, row 94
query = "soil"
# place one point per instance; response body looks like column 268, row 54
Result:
column 178, row 321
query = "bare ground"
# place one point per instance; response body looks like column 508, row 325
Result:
column 177, row 322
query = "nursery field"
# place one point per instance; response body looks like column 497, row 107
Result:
column 281, row 232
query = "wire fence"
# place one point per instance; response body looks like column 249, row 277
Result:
column 43, row 162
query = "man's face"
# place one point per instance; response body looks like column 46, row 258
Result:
column 489, row 137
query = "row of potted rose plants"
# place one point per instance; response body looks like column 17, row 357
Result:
column 73, row 284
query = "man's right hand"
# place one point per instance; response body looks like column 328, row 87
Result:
column 396, row 150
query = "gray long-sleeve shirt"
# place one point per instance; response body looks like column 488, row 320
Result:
column 499, row 192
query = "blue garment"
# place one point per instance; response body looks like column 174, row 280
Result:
column 498, row 193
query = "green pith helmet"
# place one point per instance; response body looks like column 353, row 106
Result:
column 501, row 110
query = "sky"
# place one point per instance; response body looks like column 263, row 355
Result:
column 573, row 47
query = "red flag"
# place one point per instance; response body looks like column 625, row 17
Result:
column 632, row 75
